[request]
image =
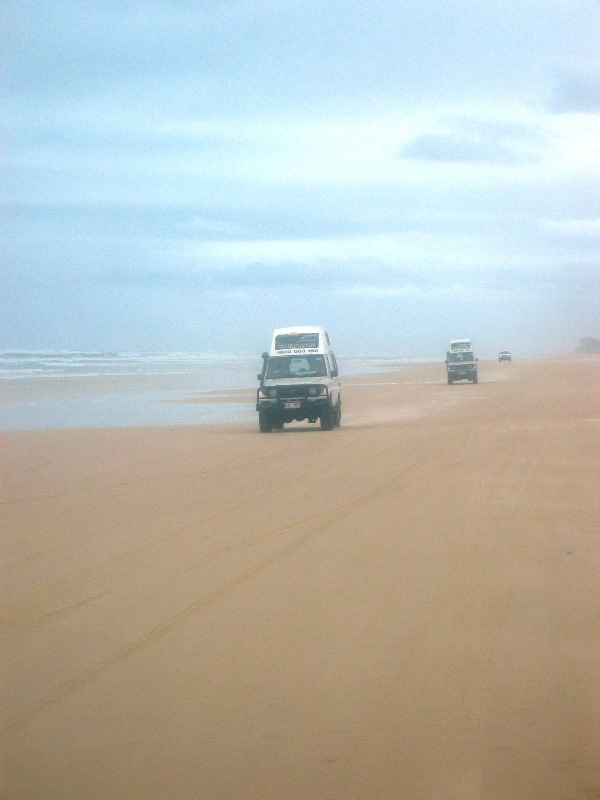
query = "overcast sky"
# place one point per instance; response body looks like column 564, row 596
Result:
column 190, row 174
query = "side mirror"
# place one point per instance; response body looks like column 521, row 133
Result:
column 264, row 356
column 259, row 376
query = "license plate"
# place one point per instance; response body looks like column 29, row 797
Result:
column 292, row 404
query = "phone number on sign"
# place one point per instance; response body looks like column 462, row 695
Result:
column 301, row 351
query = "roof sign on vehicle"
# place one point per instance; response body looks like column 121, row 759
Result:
column 297, row 341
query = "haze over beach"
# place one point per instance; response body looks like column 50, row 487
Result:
column 188, row 176
column 42, row 390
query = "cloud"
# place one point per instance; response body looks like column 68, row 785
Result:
column 577, row 91
column 364, row 281
column 344, row 155
column 478, row 141
column 573, row 227
column 211, row 228
column 163, row 57
column 260, row 276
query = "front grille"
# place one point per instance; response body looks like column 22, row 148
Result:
column 293, row 391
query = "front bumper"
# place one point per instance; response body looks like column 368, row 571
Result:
column 462, row 374
column 292, row 407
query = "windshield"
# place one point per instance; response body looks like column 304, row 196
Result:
column 460, row 356
column 296, row 367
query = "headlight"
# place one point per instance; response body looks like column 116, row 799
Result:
column 313, row 390
column 272, row 392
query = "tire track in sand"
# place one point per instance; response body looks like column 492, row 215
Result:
column 323, row 522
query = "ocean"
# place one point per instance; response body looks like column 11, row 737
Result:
column 66, row 389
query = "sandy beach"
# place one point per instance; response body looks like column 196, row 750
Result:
column 406, row 607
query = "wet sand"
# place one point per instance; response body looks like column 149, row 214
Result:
column 406, row 607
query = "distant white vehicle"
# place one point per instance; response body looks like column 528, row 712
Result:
column 299, row 380
column 460, row 344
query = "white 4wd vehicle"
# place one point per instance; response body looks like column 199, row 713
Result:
column 299, row 380
column 461, row 365
column 460, row 344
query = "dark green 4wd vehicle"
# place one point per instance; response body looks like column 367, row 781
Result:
column 461, row 366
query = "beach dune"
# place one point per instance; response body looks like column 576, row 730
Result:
column 406, row 607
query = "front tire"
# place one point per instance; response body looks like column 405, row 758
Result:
column 337, row 415
column 475, row 379
column 265, row 423
column 327, row 419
